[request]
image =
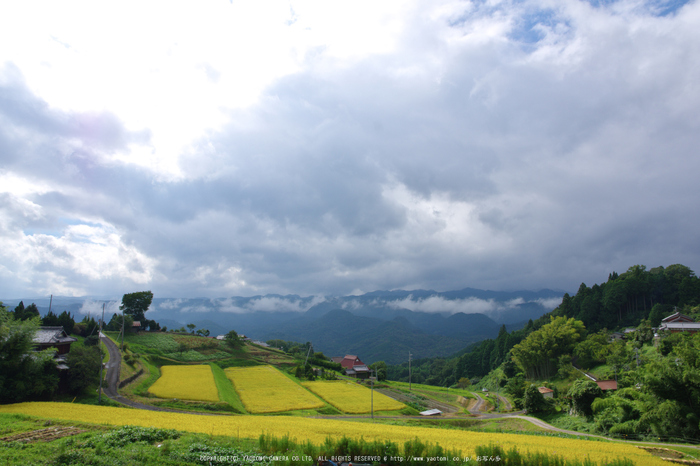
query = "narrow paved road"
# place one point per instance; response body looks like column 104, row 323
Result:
column 112, row 388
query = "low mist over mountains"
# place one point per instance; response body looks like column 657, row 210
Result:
column 381, row 325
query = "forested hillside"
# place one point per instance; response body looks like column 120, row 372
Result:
column 624, row 300
column 654, row 387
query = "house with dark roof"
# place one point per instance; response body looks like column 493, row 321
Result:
column 678, row 322
column 677, row 317
column 53, row 337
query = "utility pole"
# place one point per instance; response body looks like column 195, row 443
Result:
column 372, row 379
column 102, row 364
column 307, row 355
column 123, row 331
column 409, row 371
column 50, row 302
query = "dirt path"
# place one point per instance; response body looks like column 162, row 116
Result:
column 43, row 435
column 505, row 402
column 479, row 406
column 432, row 404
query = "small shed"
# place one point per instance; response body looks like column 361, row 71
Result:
column 546, row 392
column 431, row 412
column 606, row 385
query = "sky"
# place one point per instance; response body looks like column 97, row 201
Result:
column 229, row 148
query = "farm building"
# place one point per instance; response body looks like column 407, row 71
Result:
column 679, row 323
column 546, row 392
column 606, row 385
column 353, row 366
column 53, row 337
column 677, row 317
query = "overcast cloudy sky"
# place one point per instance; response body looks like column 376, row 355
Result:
column 223, row 148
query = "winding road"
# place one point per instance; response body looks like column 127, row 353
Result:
column 112, row 378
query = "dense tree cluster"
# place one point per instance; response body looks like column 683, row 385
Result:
column 24, row 374
column 637, row 294
column 65, row 320
column 538, row 355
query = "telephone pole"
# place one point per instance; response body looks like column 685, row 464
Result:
column 409, row 371
column 102, row 364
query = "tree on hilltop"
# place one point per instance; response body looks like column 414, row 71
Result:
column 136, row 304
column 233, row 340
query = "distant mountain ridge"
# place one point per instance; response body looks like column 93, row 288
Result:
column 380, row 325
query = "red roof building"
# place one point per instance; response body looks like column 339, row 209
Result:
column 350, row 360
column 607, row 384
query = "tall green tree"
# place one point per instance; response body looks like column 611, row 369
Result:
column 538, row 354
column 233, row 340
column 24, row 374
column 50, row 320
column 534, row 401
column 84, row 368
column 380, row 367
column 136, row 304
column 65, row 320
column 581, row 396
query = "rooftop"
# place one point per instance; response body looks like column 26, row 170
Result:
column 52, row 336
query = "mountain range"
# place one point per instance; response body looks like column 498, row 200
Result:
column 381, row 325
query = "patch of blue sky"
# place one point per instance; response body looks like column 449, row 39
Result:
column 43, row 231
column 77, row 221
column 530, row 27
column 59, row 230
column 478, row 9
column 654, row 7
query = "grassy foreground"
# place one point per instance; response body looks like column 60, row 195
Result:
column 317, row 431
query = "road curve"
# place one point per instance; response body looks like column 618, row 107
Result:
column 112, row 377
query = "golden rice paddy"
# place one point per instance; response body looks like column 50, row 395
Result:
column 316, row 431
column 186, row 383
column 352, row 397
column 264, row 389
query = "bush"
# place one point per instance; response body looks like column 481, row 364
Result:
column 534, row 401
column 92, row 340
column 84, row 368
column 130, row 434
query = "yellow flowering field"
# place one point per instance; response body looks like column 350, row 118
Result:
column 186, row 383
column 316, row 430
column 352, row 397
column 263, row 389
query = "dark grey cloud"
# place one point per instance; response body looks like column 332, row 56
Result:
column 501, row 146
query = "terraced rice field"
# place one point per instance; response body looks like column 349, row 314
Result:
column 264, row 389
column 352, row 397
column 316, row 431
column 186, row 383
